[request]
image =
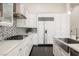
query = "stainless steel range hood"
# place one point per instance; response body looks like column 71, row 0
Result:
column 18, row 16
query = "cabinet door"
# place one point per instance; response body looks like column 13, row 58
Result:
column 34, row 38
column 56, row 50
column 8, row 13
column 62, row 26
column 28, row 45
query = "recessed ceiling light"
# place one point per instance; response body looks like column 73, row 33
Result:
column 69, row 12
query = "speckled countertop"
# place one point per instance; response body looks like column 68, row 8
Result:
column 7, row 45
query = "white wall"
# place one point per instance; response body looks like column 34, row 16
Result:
column 45, row 7
column 74, row 20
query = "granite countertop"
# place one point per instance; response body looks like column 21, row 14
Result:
column 7, row 45
column 61, row 41
column 73, row 46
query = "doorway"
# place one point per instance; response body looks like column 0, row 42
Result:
column 45, row 30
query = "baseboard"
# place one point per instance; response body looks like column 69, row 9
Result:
column 45, row 44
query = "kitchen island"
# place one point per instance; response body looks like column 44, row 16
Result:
column 16, row 47
column 63, row 48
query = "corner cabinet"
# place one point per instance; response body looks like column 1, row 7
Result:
column 6, row 14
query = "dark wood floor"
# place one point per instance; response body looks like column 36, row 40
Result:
column 42, row 50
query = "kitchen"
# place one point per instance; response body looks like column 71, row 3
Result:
column 25, row 26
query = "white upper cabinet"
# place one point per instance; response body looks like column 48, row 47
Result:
column 6, row 14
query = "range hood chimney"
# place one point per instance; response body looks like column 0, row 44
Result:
column 18, row 16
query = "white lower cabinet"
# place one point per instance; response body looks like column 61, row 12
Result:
column 35, row 39
column 14, row 52
column 58, row 51
column 29, row 46
column 23, row 49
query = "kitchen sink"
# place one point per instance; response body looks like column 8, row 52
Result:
column 69, row 40
column 66, row 40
